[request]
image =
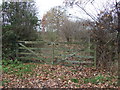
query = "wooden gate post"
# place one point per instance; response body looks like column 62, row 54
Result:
column 53, row 46
column 17, row 48
column 95, row 56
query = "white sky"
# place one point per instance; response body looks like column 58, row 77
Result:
column 45, row 5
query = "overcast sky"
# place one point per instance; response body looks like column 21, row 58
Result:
column 45, row 5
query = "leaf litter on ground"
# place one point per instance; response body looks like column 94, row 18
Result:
column 57, row 76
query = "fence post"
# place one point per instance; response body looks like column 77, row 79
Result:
column 17, row 48
column 95, row 57
column 53, row 45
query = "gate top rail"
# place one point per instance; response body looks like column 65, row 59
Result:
column 35, row 42
column 31, row 41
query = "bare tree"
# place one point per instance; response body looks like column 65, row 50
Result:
column 104, row 29
column 52, row 22
column 75, row 30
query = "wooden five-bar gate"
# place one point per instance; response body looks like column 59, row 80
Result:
column 67, row 53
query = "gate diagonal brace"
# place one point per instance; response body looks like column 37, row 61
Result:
column 29, row 50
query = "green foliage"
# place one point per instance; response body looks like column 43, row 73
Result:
column 98, row 79
column 0, row 68
column 5, row 81
column 8, row 41
column 19, row 23
column 17, row 68
column 22, row 19
column 9, row 36
column 10, row 62
column 74, row 70
column 75, row 80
